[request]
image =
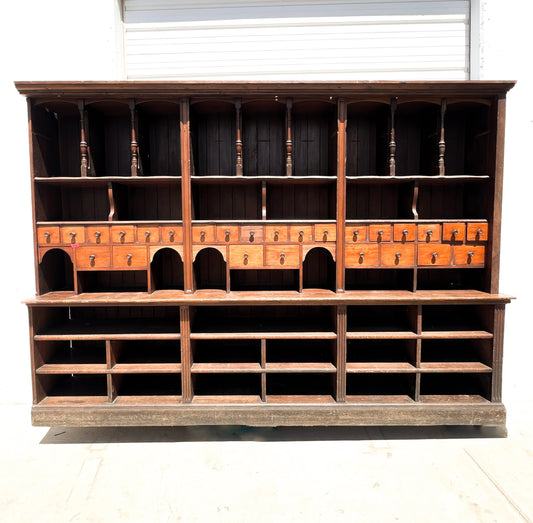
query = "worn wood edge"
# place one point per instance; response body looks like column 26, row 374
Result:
column 493, row 414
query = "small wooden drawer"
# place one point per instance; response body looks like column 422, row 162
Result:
column 73, row 234
column 429, row 232
column 276, row 233
column 394, row 255
column 251, row 233
column 469, row 254
column 325, row 232
column 404, row 232
column 364, row 255
column 228, row 233
column 380, row 233
column 477, row 232
column 172, row 234
column 97, row 234
column 90, row 257
column 453, row 232
column 203, row 233
column 301, row 233
column 48, row 235
column 283, row 256
column 434, row 255
column 129, row 256
column 123, row 233
column 148, row 234
column 246, row 256
column 355, row 233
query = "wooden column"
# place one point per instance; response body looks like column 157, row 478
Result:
column 186, row 198
column 341, row 353
column 84, row 167
column 442, row 142
column 288, row 141
column 238, row 141
column 392, row 142
column 341, row 191
column 134, row 146
column 497, row 353
column 186, row 358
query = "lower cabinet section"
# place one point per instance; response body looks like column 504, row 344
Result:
column 344, row 363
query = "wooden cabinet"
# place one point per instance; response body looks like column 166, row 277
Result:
column 267, row 254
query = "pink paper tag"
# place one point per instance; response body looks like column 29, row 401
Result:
column 74, row 244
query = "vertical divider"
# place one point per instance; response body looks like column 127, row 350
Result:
column 418, row 351
column 110, row 363
column 238, row 141
column 186, row 360
column 442, row 141
column 38, row 392
column 497, row 353
column 134, row 146
column 341, row 353
column 341, row 193
column 392, row 142
column 112, row 216
column 414, row 209
column 263, row 371
column 186, row 208
column 84, row 166
column 288, row 141
column 263, row 200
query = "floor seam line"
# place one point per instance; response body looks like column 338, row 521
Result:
column 500, row 489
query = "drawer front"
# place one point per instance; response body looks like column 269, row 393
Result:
column 246, row 256
column 453, row 232
column 364, row 255
column 283, row 256
column 229, row 233
column 429, row 232
column 356, row 233
column 477, row 232
column 434, row 255
column 73, row 234
column 276, row 233
column 203, row 233
column 129, row 256
column 123, row 233
column 301, row 233
column 48, row 236
column 90, row 257
column 325, row 232
column 172, row 234
column 404, row 232
column 397, row 255
column 380, row 232
column 469, row 254
column 97, row 234
column 149, row 234
column 251, row 233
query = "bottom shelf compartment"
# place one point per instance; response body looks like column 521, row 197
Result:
column 147, row 384
column 455, row 387
column 380, row 388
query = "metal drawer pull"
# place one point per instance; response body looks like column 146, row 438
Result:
column 226, row 237
column 72, row 235
column 122, row 234
column 325, row 236
column 92, row 257
column 398, row 255
column 355, row 234
column 97, row 235
column 435, row 255
column 129, row 257
column 479, row 232
column 245, row 259
column 361, row 255
column 171, row 235
column 301, row 236
column 252, row 233
column 455, row 232
column 470, row 255
column 202, row 236
column 276, row 236
column 47, row 236
column 405, row 232
column 282, row 258
column 147, row 234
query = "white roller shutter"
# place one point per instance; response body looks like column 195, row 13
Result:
column 296, row 40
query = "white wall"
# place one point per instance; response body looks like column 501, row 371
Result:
column 76, row 40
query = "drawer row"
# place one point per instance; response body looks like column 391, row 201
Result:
column 452, row 232
column 272, row 255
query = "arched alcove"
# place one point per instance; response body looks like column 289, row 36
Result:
column 319, row 270
column 209, row 270
column 56, row 272
column 167, row 270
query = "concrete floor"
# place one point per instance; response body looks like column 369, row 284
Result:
column 234, row 474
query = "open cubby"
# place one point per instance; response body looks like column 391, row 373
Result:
column 367, row 139
column 379, row 279
column 386, row 318
column 56, row 272
column 468, row 135
column 264, row 134
column 242, row 319
column 314, row 135
column 166, row 269
column 213, row 137
column 112, row 281
column 56, row 136
column 264, row 280
column 80, row 202
column 110, row 136
column 372, row 201
column 159, row 138
column 182, row 315
column 417, row 126
column 158, row 201
column 301, row 201
column 230, row 201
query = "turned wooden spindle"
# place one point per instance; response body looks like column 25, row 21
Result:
column 238, row 141
column 392, row 143
column 134, row 145
column 84, row 150
column 288, row 142
column 442, row 143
